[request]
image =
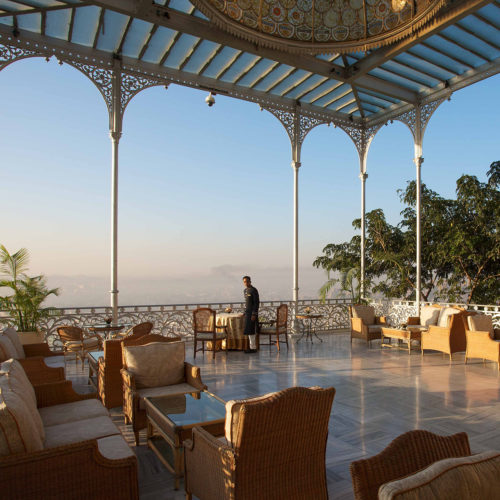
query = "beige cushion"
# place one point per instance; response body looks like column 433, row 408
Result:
column 18, row 433
column 157, row 364
column 210, row 336
column 481, row 323
column 87, row 343
column 81, row 430
column 429, row 315
column 54, row 361
column 16, row 342
column 444, row 316
column 17, row 381
column 71, row 412
column 474, row 477
column 114, row 448
column 366, row 313
column 169, row 390
column 8, row 349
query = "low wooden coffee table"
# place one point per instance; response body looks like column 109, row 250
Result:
column 402, row 335
column 171, row 420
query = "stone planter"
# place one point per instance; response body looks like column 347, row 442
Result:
column 31, row 337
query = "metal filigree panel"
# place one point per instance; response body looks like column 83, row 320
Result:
column 9, row 54
column 426, row 111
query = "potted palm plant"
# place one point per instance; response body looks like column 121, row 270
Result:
column 23, row 306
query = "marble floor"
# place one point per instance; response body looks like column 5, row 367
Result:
column 381, row 393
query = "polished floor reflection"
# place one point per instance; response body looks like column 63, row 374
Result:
column 381, row 393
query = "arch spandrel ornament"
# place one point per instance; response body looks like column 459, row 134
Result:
column 10, row 54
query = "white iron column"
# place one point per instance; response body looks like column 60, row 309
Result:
column 363, row 176
column 115, row 134
column 295, row 166
column 418, row 163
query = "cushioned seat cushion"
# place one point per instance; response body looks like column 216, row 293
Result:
column 366, row 313
column 156, row 364
column 210, row 336
column 71, row 412
column 168, row 390
column 16, row 381
column 7, row 349
column 54, row 361
column 473, row 477
column 114, row 448
column 18, row 432
column 87, row 343
column 16, row 341
column 429, row 315
column 481, row 323
column 81, row 430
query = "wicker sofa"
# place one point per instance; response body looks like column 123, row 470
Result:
column 55, row 443
column 483, row 341
column 39, row 362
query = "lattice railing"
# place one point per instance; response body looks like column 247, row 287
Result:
column 177, row 318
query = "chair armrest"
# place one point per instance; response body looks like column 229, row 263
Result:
column 128, row 379
column 437, row 331
column 192, row 375
column 483, row 336
column 209, row 465
column 41, row 349
column 58, row 393
column 39, row 373
column 413, row 320
column 380, row 320
column 72, row 471
column 357, row 324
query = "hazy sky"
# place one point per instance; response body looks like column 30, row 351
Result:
column 201, row 189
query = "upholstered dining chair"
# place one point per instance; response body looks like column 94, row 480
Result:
column 277, row 328
column 205, row 330
column 275, row 449
column 75, row 340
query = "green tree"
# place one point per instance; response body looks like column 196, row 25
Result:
column 24, row 304
column 460, row 257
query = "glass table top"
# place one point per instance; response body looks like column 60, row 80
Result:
column 95, row 355
column 189, row 409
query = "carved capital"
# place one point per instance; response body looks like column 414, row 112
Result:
column 363, row 176
column 296, row 165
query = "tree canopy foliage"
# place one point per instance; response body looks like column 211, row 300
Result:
column 460, row 246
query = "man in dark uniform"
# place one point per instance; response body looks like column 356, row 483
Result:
column 251, row 313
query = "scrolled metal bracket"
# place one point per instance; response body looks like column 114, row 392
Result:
column 10, row 54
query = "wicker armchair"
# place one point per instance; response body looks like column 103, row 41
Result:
column 276, row 449
column 136, row 331
column 76, row 341
column 205, row 329
column 277, row 329
column 364, row 324
column 407, row 454
column 110, row 382
column 483, row 341
column 156, row 358
column 449, row 335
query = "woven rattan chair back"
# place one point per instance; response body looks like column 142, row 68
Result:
column 281, row 444
column 204, row 320
column 148, row 339
column 141, row 329
column 406, row 455
column 70, row 334
column 282, row 316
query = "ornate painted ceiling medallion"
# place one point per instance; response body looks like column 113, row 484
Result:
column 320, row 26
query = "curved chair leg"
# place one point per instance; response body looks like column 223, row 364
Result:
column 194, row 354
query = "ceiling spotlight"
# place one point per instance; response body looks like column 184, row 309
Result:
column 210, row 100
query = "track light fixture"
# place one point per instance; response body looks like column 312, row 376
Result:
column 210, row 99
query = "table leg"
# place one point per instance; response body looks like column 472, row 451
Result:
column 314, row 332
column 304, row 332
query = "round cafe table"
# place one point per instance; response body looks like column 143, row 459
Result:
column 105, row 329
column 309, row 331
